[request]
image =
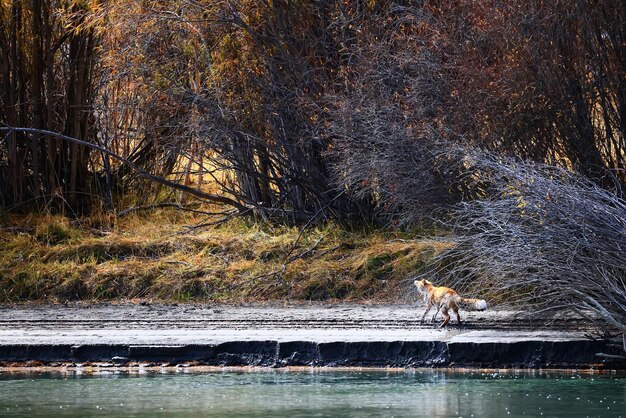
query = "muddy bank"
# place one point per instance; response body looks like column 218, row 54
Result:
column 281, row 336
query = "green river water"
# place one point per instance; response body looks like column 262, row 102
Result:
column 312, row 393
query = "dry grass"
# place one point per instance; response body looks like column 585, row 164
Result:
column 154, row 256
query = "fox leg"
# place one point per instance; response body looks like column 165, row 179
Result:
column 456, row 311
column 428, row 306
column 446, row 316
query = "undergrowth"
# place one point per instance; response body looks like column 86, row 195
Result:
column 157, row 256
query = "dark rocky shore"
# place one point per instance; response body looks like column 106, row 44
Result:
column 279, row 336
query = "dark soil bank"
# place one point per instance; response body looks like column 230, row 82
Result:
column 525, row 354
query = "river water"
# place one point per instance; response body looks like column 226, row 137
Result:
column 311, row 393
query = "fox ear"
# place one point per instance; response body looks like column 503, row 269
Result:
column 426, row 281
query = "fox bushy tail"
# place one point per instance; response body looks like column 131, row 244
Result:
column 477, row 304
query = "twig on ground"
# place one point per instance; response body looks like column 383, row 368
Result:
column 305, row 252
column 168, row 205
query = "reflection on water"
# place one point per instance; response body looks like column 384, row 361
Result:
column 312, row 393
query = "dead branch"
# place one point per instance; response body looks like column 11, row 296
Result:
column 176, row 206
column 160, row 180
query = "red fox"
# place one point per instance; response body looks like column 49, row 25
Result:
column 445, row 299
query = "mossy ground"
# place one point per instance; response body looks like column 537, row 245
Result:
column 154, row 255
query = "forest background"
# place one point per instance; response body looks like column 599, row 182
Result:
column 300, row 149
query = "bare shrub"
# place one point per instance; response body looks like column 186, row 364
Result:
column 384, row 130
column 539, row 236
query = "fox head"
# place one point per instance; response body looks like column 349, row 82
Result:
column 421, row 284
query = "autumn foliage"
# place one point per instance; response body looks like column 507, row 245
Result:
column 300, row 109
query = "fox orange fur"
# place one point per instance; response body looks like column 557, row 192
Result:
column 445, row 299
